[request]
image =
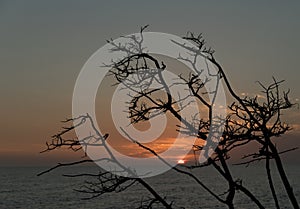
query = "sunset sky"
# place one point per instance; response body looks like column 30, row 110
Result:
column 44, row 44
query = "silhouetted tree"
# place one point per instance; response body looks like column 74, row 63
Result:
column 249, row 119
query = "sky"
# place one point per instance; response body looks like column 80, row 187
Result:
column 44, row 45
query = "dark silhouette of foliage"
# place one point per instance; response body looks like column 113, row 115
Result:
column 249, row 119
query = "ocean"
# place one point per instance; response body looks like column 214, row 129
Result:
column 22, row 188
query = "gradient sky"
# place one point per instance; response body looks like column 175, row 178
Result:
column 44, row 44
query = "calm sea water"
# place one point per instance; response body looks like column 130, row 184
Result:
column 21, row 188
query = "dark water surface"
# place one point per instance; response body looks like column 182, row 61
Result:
column 21, row 188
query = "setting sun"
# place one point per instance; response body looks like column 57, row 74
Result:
column 180, row 161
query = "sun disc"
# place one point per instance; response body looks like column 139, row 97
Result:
column 180, row 161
